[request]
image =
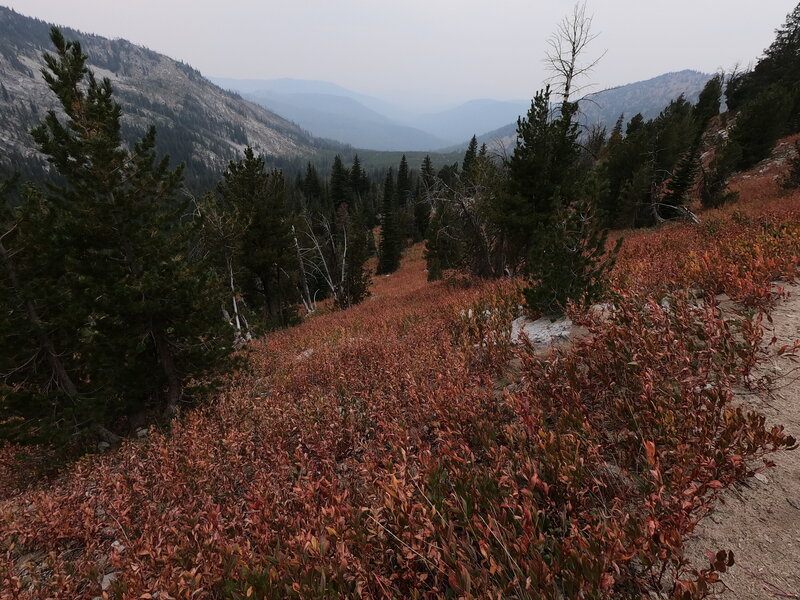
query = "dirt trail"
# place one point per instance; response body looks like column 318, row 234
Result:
column 760, row 519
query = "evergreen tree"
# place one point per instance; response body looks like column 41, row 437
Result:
column 448, row 175
column 422, row 212
column 569, row 260
column 469, row 157
column 356, row 277
column 778, row 67
column 427, row 172
column 263, row 261
column 542, row 172
column 359, row 182
column 708, row 103
column 760, row 123
column 340, row 183
column 403, row 187
column 312, row 186
column 391, row 237
column 129, row 301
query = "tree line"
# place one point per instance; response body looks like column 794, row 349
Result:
column 123, row 295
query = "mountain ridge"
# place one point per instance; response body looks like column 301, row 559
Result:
column 197, row 122
column 648, row 97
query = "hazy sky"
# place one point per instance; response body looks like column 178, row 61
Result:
column 426, row 50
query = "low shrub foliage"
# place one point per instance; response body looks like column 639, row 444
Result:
column 405, row 449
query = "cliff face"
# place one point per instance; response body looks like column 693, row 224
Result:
column 197, row 122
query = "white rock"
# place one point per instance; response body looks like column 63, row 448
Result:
column 542, row 332
column 108, row 579
column 304, row 354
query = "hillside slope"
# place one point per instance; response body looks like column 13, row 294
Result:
column 197, row 122
column 403, row 446
column 603, row 108
column 330, row 111
column 345, row 120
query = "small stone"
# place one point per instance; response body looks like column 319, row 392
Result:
column 142, row 432
column 793, row 503
column 762, row 478
column 103, row 446
column 108, row 579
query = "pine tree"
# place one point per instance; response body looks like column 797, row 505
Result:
column 312, row 186
column 708, row 103
column 685, row 172
column 427, row 172
column 422, row 212
column 469, row 157
column 359, row 182
column 403, row 186
column 137, row 310
column 262, row 262
column 779, row 66
column 340, row 183
column 391, row 238
column 760, row 123
column 356, row 278
column 542, row 171
column 569, row 261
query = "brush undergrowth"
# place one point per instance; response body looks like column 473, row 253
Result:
column 371, row 453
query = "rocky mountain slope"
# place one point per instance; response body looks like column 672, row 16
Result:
column 603, row 108
column 197, row 122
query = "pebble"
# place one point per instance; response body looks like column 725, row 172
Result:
column 762, row 478
column 108, row 579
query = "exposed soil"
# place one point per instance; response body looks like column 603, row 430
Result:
column 759, row 520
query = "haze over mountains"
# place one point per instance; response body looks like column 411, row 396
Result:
column 205, row 126
column 330, row 111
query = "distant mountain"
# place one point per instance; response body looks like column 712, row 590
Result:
column 470, row 118
column 647, row 97
column 330, row 111
column 603, row 108
column 288, row 85
column 197, row 122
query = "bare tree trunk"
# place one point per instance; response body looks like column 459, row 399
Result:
column 567, row 46
column 167, row 360
column 104, row 435
column 47, row 346
column 323, row 270
column 45, row 343
column 303, row 279
column 235, row 305
column 164, row 352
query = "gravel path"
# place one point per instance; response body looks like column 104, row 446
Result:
column 760, row 519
